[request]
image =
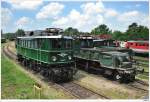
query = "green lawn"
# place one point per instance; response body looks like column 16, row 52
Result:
column 15, row 84
column 142, row 76
column 18, row 85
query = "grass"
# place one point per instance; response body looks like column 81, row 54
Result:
column 15, row 84
column 18, row 85
column 140, row 58
column 141, row 76
column 146, row 69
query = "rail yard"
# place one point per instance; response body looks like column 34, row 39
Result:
column 86, row 85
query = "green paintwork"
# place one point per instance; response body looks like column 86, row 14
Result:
column 44, row 51
column 107, row 59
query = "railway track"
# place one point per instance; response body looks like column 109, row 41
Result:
column 82, row 92
column 76, row 90
column 142, row 82
column 136, row 85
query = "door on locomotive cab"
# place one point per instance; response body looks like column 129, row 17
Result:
column 106, row 60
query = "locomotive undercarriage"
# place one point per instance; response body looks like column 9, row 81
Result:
column 114, row 74
column 55, row 72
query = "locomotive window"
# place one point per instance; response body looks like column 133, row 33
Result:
column 28, row 43
column 67, row 44
column 39, row 43
column 31, row 43
column 56, row 43
column 23, row 43
column 35, row 43
column 136, row 44
column 131, row 43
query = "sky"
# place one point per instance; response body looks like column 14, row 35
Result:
column 85, row 16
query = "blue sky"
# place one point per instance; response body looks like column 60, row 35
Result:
column 39, row 14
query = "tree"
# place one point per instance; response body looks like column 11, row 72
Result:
column 10, row 36
column 101, row 29
column 20, row 32
column 71, row 31
column 136, row 31
column 117, row 35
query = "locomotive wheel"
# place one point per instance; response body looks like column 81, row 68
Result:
column 117, row 76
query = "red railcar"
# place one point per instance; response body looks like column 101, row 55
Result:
column 138, row 46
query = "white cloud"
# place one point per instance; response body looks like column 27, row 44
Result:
column 110, row 13
column 52, row 10
column 6, row 16
column 23, row 21
column 125, row 19
column 89, row 17
column 92, row 8
column 138, row 5
column 128, row 16
column 134, row 16
column 25, row 4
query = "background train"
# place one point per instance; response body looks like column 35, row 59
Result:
column 138, row 46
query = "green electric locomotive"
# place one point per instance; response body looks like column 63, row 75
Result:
column 117, row 64
column 50, row 55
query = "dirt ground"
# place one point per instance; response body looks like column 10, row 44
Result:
column 107, row 87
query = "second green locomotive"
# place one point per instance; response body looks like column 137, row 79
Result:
column 50, row 55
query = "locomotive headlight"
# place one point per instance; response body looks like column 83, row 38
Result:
column 69, row 57
column 54, row 58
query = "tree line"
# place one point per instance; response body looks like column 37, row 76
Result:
column 133, row 32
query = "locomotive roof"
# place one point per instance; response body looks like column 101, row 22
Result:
column 50, row 37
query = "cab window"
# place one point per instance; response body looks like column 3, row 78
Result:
column 56, row 43
column 67, row 44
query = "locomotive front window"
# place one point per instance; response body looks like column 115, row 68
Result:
column 67, row 44
column 61, row 43
column 124, row 58
column 56, row 43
